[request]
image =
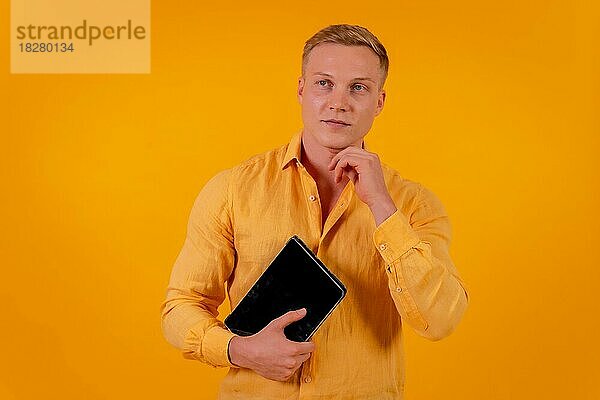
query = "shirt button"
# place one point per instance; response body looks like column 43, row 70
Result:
column 312, row 197
column 398, row 289
column 382, row 246
column 308, row 379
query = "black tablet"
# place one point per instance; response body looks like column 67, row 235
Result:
column 295, row 279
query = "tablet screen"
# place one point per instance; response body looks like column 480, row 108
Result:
column 295, row 279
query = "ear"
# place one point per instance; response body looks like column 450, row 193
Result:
column 300, row 89
column 380, row 102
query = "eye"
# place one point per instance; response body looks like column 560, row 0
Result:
column 323, row 83
column 358, row 87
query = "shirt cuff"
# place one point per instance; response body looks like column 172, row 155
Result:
column 212, row 348
column 215, row 346
column 394, row 237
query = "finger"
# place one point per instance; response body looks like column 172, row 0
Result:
column 334, row 162
column 297, row 362
column 351, row 174
column 338, row 156
column 339, row 168
column 288, row 318
column 304, row 357
column 291, row 363
column 345, row 164
column 339, row 171
column 303, row 348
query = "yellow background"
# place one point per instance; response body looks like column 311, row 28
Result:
column 99, row 173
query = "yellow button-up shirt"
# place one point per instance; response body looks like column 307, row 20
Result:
column 396, row 273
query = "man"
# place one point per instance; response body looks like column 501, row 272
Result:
column 384, row 236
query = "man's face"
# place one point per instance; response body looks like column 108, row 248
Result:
column 340, row 94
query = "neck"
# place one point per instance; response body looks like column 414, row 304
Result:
column 316, row 159
column 317, row 162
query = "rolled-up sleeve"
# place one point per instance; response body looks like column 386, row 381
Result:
column 197, row 283
column 423, row 281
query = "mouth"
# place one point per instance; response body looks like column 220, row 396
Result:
column 335, row 122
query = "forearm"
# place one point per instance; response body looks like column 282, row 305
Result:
column 197, row 283
column 430, row 298
column 190, row 324
column 426, row 289
column 382, row 208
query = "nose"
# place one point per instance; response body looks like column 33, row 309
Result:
column 338, row 101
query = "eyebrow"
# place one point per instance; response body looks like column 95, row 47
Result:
column 355, row 79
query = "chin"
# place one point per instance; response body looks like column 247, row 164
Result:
column 332, row 142
column 336, row 141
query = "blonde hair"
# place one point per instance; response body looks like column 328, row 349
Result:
column 348, row 35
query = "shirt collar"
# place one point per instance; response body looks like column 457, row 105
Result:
column 294, row 150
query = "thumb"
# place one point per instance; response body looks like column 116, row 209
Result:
column 288, row 318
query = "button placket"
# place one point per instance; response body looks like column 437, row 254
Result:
column 310, row 191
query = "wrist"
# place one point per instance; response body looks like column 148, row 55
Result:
column 235, row 350
column 382, row 209
column 381, row 199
